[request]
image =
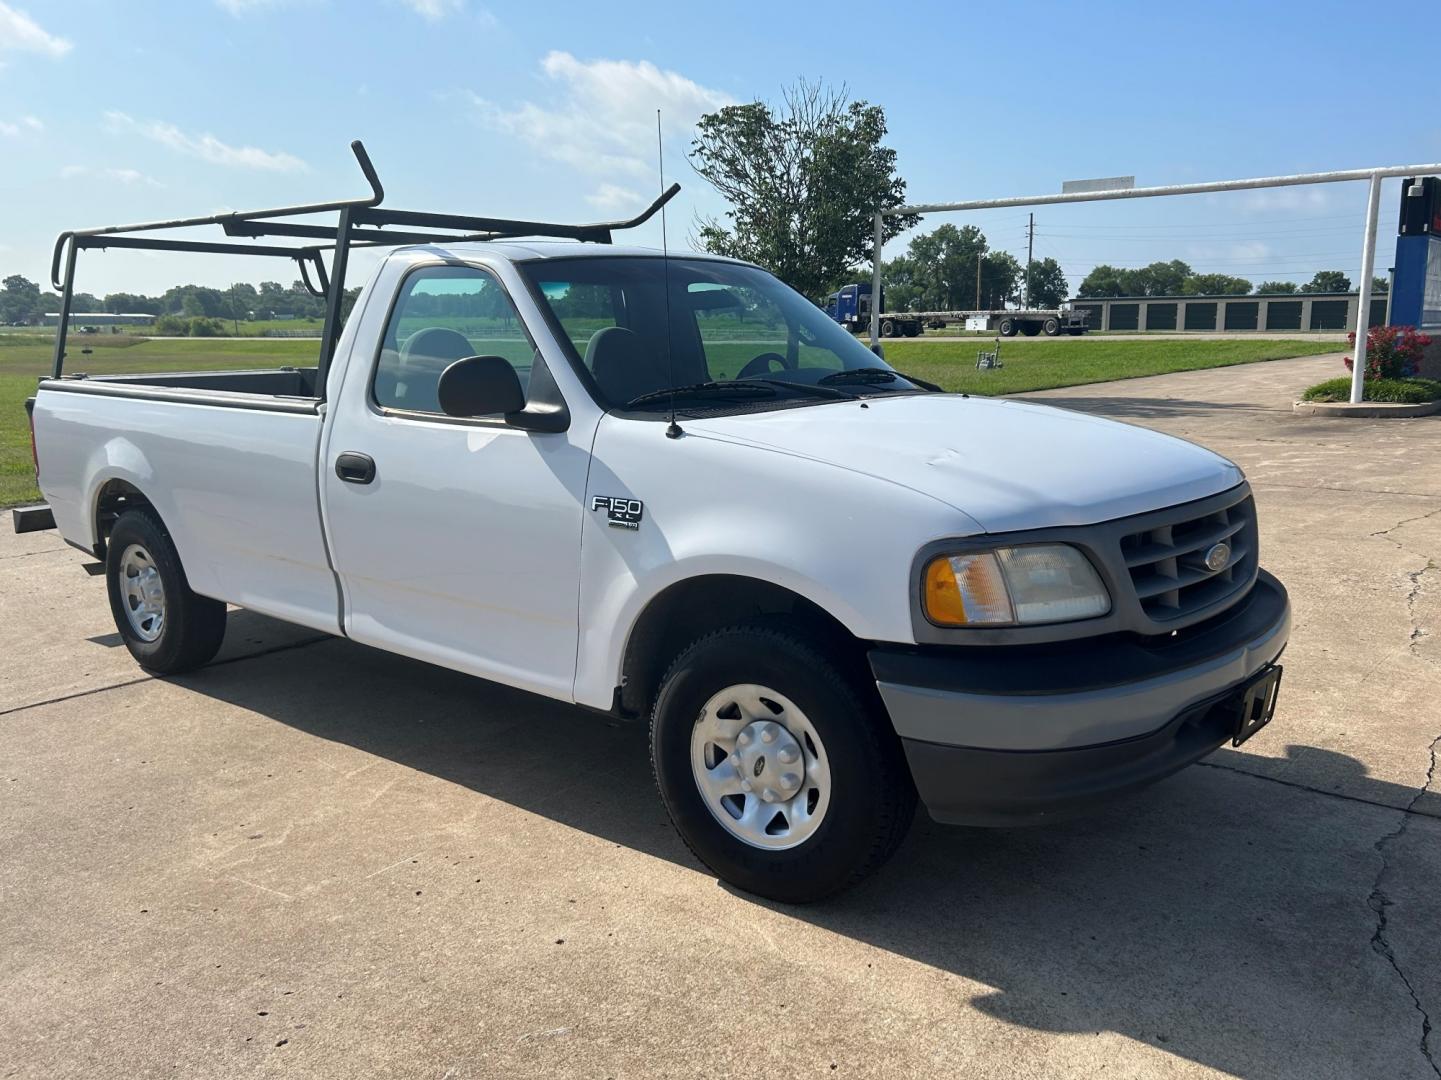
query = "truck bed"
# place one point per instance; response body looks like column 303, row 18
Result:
column 274, row 389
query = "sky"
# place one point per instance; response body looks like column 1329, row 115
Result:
column 117, row 111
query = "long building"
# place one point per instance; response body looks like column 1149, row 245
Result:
column 1259, row 312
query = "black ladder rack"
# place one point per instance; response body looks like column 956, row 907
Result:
column 362, row 222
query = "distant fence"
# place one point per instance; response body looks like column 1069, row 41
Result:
column 1260, row 312
column 292, row 333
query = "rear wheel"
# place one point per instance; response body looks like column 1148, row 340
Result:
column 888, row 328
column 1052, row 327
column 167, row 628
column 1030, row 328
column 1007, row 328
column 777, row 773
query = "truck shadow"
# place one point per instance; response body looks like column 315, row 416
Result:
column 1217, row 917
column 1159, row 408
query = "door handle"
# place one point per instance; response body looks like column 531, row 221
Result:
column 355, row 468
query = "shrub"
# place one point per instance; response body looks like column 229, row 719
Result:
column 1392, row 352
column 172, row 326
column 200, row 326
column 1404, row 391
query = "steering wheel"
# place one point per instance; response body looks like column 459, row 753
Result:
column 761, row 365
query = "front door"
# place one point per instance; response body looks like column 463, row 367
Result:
column 456, row 541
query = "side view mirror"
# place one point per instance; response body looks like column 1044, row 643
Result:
column 480, row 386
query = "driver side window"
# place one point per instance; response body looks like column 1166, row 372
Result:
column 445, row 314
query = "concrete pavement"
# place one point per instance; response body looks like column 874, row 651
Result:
column 318, row 860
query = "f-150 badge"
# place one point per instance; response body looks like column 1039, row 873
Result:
column 622, row 513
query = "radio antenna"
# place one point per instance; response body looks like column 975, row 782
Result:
column 672, row 429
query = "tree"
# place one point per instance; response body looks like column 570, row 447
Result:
column 1048, row 286
column 1215, row 285
column 19, row 300
column 1276, row 287
column 1380, row 285
column 132, row 303
column 1001, row 278
column 803, row 180
column 1103, row 280
column 1328, row 281
column 1162, row 279
column 938, row 271
column 1157, row 279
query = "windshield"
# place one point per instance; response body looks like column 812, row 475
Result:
column 728, row 323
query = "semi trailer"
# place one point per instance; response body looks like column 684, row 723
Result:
column 851, row 307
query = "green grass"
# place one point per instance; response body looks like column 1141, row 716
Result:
column 1402, row 391
column 1042, row 364
column 1029, row 365
column 23, row 358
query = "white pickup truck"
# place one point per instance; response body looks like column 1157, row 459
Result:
column 673, row 489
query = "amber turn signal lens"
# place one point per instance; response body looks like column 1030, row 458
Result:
column 967, row 589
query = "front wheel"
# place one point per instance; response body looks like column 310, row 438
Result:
column 1052, row 327
column 167, row 628
column 775, row 771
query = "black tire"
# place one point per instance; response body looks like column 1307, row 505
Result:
column 913, row 330
column 1052, row 327
column 193, row 626
column 888, row 328
column 1030, row 328
column 872, row 799
column 1007, row 328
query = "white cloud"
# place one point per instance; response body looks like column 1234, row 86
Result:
column 1288, row 199
column 120, row 176
column 25, row 123
column 244, row 7
column 20, row 33
column 602, row 120
column 206, row 147
column 615, row 197
column 435, row 10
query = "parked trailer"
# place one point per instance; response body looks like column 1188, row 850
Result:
column 1029, row 321
column 851, row 307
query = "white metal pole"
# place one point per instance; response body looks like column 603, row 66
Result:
column 1363, row 293
column 876, row 279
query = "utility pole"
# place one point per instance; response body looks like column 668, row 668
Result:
column 1030, row 249
column 978, row 279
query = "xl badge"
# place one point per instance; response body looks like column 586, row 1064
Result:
column 623, row 513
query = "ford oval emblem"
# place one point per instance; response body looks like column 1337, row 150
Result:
column 1218, row 557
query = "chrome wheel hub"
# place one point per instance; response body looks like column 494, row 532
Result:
column 760, row 767
column 142, row 593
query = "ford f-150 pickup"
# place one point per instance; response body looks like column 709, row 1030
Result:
column 671, row 488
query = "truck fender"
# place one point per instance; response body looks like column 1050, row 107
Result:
column 610, row 640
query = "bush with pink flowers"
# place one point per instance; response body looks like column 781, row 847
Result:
column 1392, row 352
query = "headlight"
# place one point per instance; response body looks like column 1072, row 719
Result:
column 1037, row 583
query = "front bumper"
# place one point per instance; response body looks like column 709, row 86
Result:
column 1009, row 735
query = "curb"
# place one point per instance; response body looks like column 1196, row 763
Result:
column 1371, row 410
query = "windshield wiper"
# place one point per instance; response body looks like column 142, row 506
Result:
column 876, row 375
column 701, row 390
column 806, row 388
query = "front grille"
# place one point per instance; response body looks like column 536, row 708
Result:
column 1167, row 560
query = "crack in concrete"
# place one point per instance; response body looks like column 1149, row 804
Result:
column 1418, row 632
column 1379, row 901
column 1408, row 809
column 1404, row 521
